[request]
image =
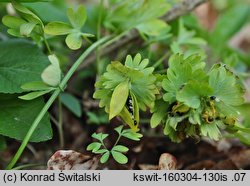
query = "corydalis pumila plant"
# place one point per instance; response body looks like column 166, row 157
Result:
column 197, row 102
column 124, row 89
column 194, row 102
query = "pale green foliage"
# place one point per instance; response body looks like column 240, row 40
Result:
column 187, row 42
column 51, row 77
column 198, row 103
column 141, row 14
column 134, row 79
column 117, row 151
column 73, row 31
column 27, row 25
column 52, row 74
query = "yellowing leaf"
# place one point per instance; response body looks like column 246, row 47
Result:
column 118, row 99
column 52, row 74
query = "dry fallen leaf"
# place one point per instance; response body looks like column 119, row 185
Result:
column 71, row 160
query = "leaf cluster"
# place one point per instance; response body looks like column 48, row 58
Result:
column 77, row 19
column 134, row 81
column 117, row 151
column 26, row 24
column 142, row 15
column 196, row 102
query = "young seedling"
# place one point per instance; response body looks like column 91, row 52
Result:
column 117, row 151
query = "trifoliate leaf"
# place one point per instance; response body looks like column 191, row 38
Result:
column 77, row 18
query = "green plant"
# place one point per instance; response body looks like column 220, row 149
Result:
column 124, row 89
column 173, row 76
column 117, row 151
column 194, row 102
column 74, row 34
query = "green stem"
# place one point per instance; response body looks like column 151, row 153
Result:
column 98, row 35
column 118, row 139
column 60, row 123
column 103, row 145
column 51, row 100
column 27, row 166
column 47, row 44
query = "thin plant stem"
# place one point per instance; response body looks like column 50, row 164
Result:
column 118, row 139
column 103, row 145
column 98, row 35
column 60, row 123
column 27, row 166
column 47, row 44
column 60, row 131
column 54, row 120
column 51, row 100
